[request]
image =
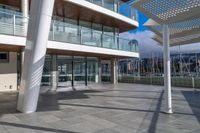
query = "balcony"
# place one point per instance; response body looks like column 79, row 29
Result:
column 15, row 24
column 117, row 6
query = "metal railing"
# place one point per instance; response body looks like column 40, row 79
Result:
column 14, row 24
column 191, row 82
column 118, row 6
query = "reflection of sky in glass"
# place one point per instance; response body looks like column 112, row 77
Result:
column 125, row 10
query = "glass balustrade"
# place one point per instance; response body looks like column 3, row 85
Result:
column 14, row 24
column 118, row 6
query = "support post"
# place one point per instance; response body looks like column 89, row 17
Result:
column 54, row 73
column 96, row 72
column 86, row 72
column 114, row 72
column 167, row 70
column 72, row 72
column 35, row 50
column 99, row 71
column 14, row 17
column 25, row 13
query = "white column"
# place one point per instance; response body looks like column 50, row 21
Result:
column 167, row 70
column 114, row 72
column 25, row 13
column 54, row 73
column 96, row 72
column 22, row 57
column 35, row 50
column 99, row 71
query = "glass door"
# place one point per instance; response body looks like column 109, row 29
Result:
column 92, row 70
column 64, row 66
column 79, row 69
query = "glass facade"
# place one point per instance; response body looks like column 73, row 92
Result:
column 71, row 70
column 70, row 31
column 106, row 70
column 92, row 69
column 79, row 70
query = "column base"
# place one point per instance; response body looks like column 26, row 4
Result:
column 168, row 112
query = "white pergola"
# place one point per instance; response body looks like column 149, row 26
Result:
column 184, row 32
column 175, row 22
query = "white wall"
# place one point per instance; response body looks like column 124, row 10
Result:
column 8, row 73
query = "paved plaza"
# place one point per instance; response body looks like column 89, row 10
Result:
column 123, row 108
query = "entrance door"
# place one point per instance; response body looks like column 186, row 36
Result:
column 64, row 64
column 92, row 70
column 79, row 71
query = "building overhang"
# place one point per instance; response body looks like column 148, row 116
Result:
column 87, row 11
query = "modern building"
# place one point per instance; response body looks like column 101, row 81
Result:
column 83, row 35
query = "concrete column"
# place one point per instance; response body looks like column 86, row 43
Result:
column 54, row 74
column 22, row 57
column 21, row 63
column 114, row 72
column 25, row 14
column 167, row 70
column 35, row 50
column 99, row 71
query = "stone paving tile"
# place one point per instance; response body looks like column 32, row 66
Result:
column 91, row 124
column 9, row 117
column 3, row 129
column 49, row 118
column 122, row 108
column 117, row 129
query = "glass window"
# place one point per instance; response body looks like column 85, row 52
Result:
column 71, row 31
column 66, row 31
column 96, row 34
column 92, row 69
column 108, row 30
column 109, row 38
column 86, row 33
column 85, row 24
column 4, row 57
column 109, row 4
column 98, row 2
column 64, row 67
column 79, row 70
column 97, row 27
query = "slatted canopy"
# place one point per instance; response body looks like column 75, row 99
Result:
column 194, row 38
column 169, row 11
column 180, row 33
column 181, row 16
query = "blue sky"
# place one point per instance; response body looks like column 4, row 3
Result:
column 142, row 20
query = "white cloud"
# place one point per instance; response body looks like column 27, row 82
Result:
column 146, row 44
